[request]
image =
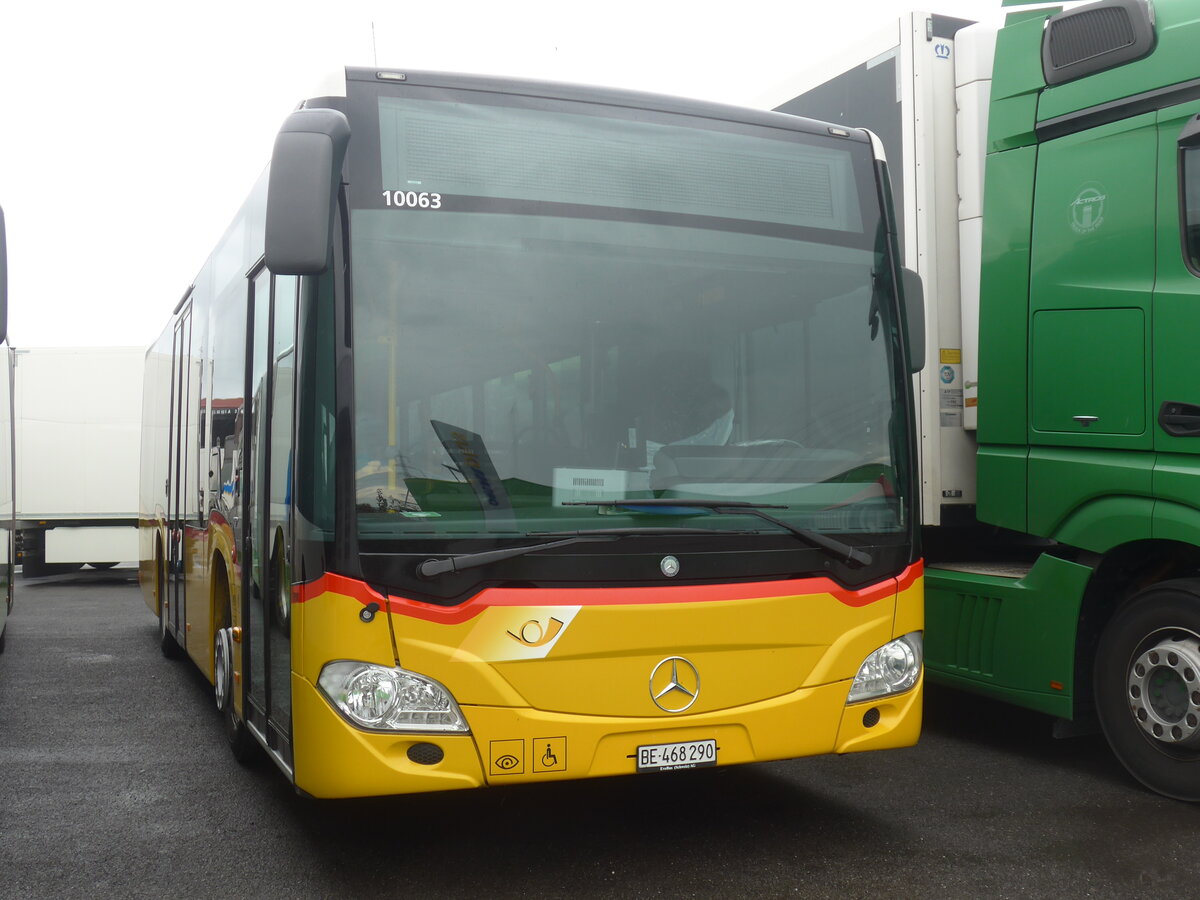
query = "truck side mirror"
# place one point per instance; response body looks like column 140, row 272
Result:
column 913, row 293
column 306, row 171
column 3, row 279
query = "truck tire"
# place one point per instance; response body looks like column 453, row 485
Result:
column 1147, row 684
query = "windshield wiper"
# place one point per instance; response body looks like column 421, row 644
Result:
column 635, row 532
column 851, row 556
column 431, row 568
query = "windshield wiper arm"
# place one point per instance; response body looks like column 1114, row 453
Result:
column 431, row 568
column 852, row 556
column 635, row 532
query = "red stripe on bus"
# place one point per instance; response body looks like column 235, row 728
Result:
column 605, row 596
column 909, row 576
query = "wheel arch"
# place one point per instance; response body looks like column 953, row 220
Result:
column 221, row 605
column 1122, row 573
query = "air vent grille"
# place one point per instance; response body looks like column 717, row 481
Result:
column 1092, row 33
column 974, row 648
column 1095, row 38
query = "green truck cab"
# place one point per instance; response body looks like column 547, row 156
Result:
column 1089, row 295
column 1049, row 177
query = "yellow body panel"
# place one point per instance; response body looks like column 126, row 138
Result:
column 333, row 759
column 600, row 664
column 330, row 628
column 561, row 692
column 205, row 551
column 198, row 640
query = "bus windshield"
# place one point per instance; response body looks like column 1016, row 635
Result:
column 557, row 305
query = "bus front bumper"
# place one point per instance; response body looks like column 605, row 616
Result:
column 515, row 745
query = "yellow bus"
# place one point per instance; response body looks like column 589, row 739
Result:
column 522, row 432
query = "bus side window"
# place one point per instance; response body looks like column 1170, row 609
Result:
column 314, row 481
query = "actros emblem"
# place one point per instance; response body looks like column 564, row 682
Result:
column 674, row 684
column 1087, row 209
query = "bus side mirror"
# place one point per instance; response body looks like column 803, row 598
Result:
column 3, row 279
column 914, row 313
column 306, row 171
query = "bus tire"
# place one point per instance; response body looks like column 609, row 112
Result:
column 225, row 684
column 241, row 741
column 1147, row 687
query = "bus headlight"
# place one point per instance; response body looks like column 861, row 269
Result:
column 381, row 698
column 892, row 669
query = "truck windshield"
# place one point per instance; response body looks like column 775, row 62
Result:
column 556, row 303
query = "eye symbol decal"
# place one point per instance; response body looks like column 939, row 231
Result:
column 507, row 762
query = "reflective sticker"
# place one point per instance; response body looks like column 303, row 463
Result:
column 950, row 391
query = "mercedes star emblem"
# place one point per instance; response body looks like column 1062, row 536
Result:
column 674, row 684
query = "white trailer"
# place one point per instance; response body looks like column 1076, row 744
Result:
column 922, row 83
column 78, row 431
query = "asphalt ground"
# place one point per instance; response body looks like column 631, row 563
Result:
column 115, row 781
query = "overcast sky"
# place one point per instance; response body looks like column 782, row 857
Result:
column 132, row 131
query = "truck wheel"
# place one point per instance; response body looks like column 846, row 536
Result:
column 1147, row 680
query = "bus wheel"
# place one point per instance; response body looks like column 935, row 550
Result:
column 241, row 742
column 1147, row 681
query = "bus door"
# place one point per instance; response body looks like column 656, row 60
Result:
column 177, row 469
column 267, row 587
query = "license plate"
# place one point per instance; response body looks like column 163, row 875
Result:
column 682, row 755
